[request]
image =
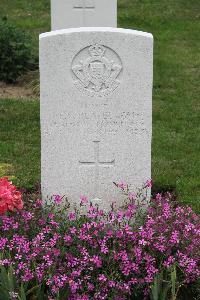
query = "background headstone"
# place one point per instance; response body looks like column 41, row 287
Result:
column 83, row 13
column 96, row 111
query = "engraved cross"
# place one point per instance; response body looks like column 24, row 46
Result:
column 84, row 6
column 97, row 163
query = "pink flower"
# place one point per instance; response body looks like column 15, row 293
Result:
column 104, row 249
column 132, row 196
column 68, row 239
column 56, row 252
column 83, row 199
column 57, row 199
column 90, row 286
column 174, row 237
column 72, row 216
column 129, row 214
column 158, row 197
column 169, row 261
column 111, row 283
column 73, row 230
column 102, row 278
column 73, row 286
column 120, row 215
column 119, row 234
column 149, row 183
column 97, row 261
column 122, row 185
column 51, row 216
column 142, row 242
column 132, row 207
column 38, row 203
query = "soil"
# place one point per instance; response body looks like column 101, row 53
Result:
column 26, row 87
column 18, row 90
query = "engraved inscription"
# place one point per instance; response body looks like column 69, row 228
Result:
column 96, row 70
column 97, row 164
column 106, row 123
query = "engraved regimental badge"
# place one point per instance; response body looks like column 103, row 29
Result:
column 97, row 70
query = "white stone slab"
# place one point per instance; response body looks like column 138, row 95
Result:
column 96, row 111
column 83, row 13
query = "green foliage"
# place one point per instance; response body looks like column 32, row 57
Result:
column 15, row 52
column 197, row 290
column 165, row 286
column 34, row 83
column 10, row 288
column 159, row 289
column 7, row 283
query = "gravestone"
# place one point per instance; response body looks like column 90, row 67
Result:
column 83, row 13
column 96, row 111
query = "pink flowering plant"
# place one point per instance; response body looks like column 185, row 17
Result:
column 132, row 252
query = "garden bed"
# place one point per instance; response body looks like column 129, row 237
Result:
column 58, row 252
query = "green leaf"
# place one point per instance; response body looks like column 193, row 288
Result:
column 173, row 283
column 22, row 293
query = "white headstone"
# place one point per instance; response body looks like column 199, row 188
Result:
column 83, row 13
column 96, row 111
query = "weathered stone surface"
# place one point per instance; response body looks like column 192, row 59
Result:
column 83, row 13
column 96, row 111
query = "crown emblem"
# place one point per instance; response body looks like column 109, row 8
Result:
column 96, row 70
column 97, row 50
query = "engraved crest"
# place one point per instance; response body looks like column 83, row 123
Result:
column 96, row 70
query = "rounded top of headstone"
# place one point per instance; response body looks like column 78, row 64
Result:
column 95, row 29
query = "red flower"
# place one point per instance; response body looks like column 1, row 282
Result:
column 10, row 197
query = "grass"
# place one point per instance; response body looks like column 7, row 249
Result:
column 20, row 141
column 176, row 110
